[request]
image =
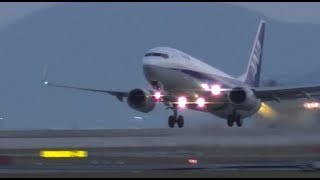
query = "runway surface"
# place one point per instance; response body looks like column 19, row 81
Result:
column 202, row 152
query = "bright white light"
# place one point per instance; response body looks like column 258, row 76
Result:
column 216, row 89
column 193, row 161
column 205, row 87
column 157, row 95
column 138, row 117
column 182, row 101
column 46, row 83
column 200, row 102
column 311, row 105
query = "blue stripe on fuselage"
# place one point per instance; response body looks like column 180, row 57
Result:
column 207, row 78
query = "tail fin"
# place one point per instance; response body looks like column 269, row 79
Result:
column 252, row 75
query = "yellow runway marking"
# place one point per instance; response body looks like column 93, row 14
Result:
column 63, row 154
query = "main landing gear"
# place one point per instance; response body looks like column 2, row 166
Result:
column 172, row 120
column 234, row 117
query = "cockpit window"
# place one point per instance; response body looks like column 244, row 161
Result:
column 166, row 56
column 185, row 56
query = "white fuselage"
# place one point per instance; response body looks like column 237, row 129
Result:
column 183, row 75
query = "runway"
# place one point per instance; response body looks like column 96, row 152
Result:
column 153, row 152
column 238, row 137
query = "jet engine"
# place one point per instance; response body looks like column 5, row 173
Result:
column 141, row 100
column 243, row 98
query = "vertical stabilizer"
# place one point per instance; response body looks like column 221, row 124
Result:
column 252, row 75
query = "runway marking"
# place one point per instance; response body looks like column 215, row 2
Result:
column 63, row 154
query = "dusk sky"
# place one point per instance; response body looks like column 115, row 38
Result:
column 293, row 12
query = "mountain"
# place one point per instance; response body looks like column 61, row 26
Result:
column 100, row 45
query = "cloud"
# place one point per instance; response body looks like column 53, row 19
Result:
column 12, row 11
column 293, row 12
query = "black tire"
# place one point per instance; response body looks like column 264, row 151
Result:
column 230, row 121
column 171, row 121
column 239, row 121
column 180, row 121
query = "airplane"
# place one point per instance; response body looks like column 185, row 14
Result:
column 179, row 80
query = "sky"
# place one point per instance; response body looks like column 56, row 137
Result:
column 292, row 12
column 12, row 11
column 87, row 44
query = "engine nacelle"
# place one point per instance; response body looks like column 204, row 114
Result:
column 243, row 98
column 141, row 100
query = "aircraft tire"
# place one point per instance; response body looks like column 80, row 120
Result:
column 239, row 121
column 230, row 121
column 171, row 121
column 180, row 121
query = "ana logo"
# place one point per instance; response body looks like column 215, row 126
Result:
column 255, row 59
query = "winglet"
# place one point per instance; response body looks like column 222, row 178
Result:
column 45, row 75
column 119, row 95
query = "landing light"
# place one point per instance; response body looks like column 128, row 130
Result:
column 46, row 83
column 216, row 90
column 157, row 95
column 311, row 105
column 205, row 87
column 182, row 101
column 200, row 102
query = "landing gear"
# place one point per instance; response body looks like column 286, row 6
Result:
column 239, row 121
column 234, row 118
column 180, row 121
column 171, row 121
column 230, row 121
column 175, row 119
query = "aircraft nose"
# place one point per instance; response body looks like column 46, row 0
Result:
column 150, row 72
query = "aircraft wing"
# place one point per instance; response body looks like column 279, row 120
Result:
column 119, row 95
column 279, row 93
